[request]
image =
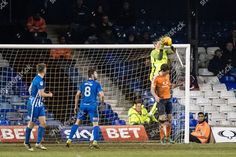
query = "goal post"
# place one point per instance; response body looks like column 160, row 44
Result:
column 123, row 71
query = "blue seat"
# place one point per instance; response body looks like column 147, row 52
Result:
column 227, row 79
column 4, row 122
column 118, row 122
column 192, row 123
column 231, row 85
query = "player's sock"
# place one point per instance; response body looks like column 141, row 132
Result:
column 96, row 133
column 168, row 130
column 27, row 135
column 162, row 135
column 73, row 130
column 41, row 131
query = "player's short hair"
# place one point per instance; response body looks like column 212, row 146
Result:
column 41, row 67
column 164, row 67
column 91, row 72
column 200, row 113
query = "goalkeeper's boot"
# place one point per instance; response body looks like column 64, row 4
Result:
column 28, row 147
column 68, row 143
column 94, row 144
column 40, row 146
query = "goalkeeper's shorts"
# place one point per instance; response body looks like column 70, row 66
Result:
column 91, row 110
column 35, row 109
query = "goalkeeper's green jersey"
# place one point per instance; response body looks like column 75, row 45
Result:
column 157, row 61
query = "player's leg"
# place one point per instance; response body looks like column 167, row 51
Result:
column 74, row 128
column 94, row 118
column 28, row 130
column 169, row 120
column 162, row 120
column 41, row 131
column 80, row 116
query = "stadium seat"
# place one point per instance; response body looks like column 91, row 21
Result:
column 178, row 94
column 232, row 101
column 210, row 109
column 201, row 50
column 227, row 79
column 219, row 87
column 232, row 116
column 118, row 122
column 233, row 72
column 231, row 86
column 200, row 101
column 211, row 95
column 227, row 94
column 5, row 106
column 204, row 72
column 196, row 94
column 4, row 122
column 192, row 123
column 219, row 102
column 225, row 123
column 225, row 109
column 211, row 50
column 205, row 87
column 217, row 116
column 212, row 80
column 194, row 108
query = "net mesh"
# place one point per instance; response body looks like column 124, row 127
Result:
column 123, row 73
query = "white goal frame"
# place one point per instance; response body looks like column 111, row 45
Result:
column 122, row 46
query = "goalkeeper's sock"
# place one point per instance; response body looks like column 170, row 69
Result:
column 73, row 130
column 96, row 133
column 27, row 135
column 41, row 131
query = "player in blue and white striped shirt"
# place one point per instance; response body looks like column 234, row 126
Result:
column 35, row 106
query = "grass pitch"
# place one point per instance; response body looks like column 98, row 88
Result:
column 123, row 150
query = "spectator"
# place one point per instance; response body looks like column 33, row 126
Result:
column 127, row 15
column 98, row 14
column 107, row 37
column 65, row 53
column 232, row 38
column 131, row 39
column 229, row 54
column 145, row 39
column 105, row 24
column 37, row 25
column 139, row 115
column 217, row 63
column 81, row 13
column 202, row 131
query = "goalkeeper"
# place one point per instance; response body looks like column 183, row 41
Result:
column 159, row 55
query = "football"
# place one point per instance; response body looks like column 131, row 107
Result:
column 167, row 41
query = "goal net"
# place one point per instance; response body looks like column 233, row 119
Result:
column 123, row 71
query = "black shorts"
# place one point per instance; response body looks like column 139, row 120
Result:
column 164, row 107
